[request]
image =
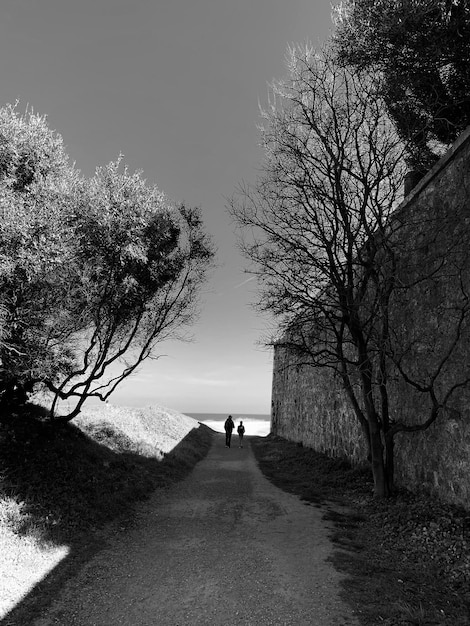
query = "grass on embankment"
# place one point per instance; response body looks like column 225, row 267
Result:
column 60, row 485
column 407, row 559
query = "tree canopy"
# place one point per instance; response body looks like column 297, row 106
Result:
column 422, row 49
column 93, row 272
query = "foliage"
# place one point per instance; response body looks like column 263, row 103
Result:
column 93, row 272
column 36, row 199
column 422, row 49
column 140, row 263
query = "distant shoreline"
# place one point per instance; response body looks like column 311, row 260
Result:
column 256, row 424
column 223, row 416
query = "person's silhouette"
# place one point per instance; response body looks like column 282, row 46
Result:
column 241, row 432
column 229, row 426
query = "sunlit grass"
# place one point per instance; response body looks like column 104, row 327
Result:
column 152, row 430
column 26, row 560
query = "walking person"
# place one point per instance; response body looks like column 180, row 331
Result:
column 229, row 426
column 241, row 432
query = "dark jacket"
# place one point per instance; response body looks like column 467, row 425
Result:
column 229, row 425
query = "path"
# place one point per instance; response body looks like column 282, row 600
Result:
column 223, row 547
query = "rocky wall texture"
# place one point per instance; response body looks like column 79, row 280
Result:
column 433, row 243
column 309, row 407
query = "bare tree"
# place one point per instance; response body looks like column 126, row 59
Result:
column 317, row 227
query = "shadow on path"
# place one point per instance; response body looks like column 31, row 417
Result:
column 223, row 546
column 64, row 500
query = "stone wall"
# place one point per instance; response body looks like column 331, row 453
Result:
column 309, row 405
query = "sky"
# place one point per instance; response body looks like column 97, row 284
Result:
column 174, row 86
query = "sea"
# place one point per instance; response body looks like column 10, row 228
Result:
column 255, row 424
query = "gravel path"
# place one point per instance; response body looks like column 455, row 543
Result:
column 224, row 546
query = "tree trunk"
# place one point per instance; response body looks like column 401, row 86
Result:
column 364, row 424
column 375, row 435
column 381, row 486
column 366, row 432
column 70, row 416
column 351, row 393
column 390, row 461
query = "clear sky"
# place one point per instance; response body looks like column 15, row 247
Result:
column 174, row 85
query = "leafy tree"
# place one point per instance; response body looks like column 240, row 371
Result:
column 93, row 272
column 36, row 198
column 140, row 263
column 317, row 227
column 422, row 49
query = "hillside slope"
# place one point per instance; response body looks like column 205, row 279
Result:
column 152, row 426
column 60, row 486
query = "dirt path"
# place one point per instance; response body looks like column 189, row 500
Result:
column 225, row 546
